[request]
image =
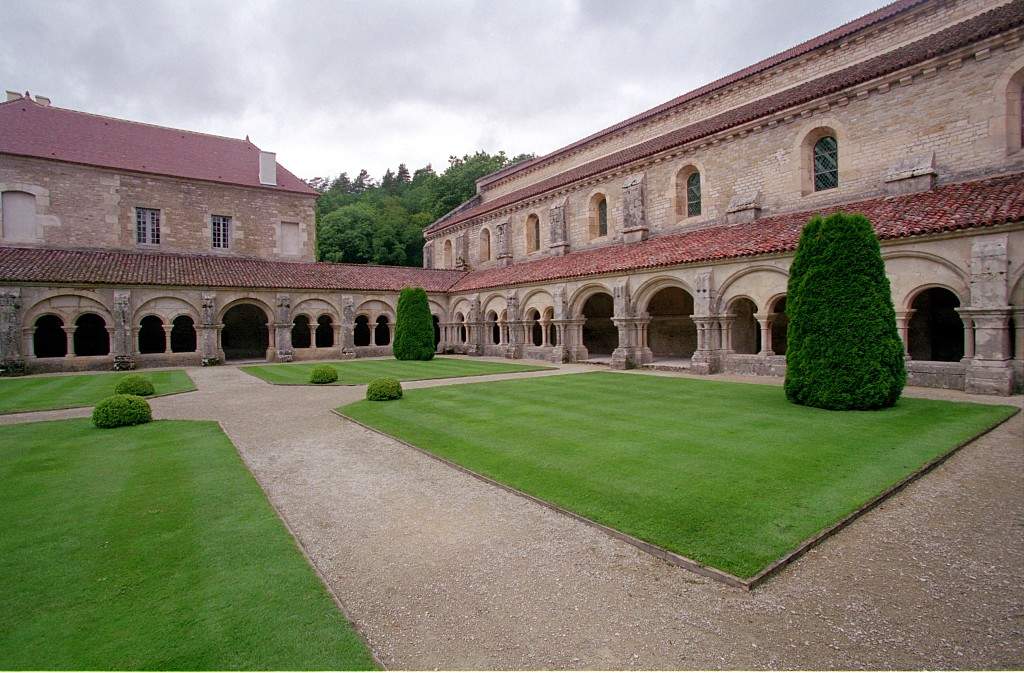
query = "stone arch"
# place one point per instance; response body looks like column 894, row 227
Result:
column 492, row 328
column 67, row 305
column 600, row 336
column 374, row 308
column 531, row 233
column 746, row 332
column 152, row 338
column 246, row 329
column 680, row 190
column 909, row 271
column 49, row 340
column 598, row 215
column 536, row 330
column 460, row 319
column 642, row 295
column 183, row 334
column 91, row 335
column 324, row 333
column 449, row 263
column 361, row 333
column 258, row 303
column 760, row 283
column 935, row 331
column 167, row 307
column 313, row 307
column 548, row 318
column 807, row 137
column 582, row 294
column 671, row 331
column 493, row 302
column 1007, row 125
column 302, row 334
column 538, row 298
column 779, row 324
column 382, row 331
column 484, row 249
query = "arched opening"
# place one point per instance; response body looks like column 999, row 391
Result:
column 532, row 233
column 300, row 332
column 671, row 333
column 361, row 332
column 382, row 332
column 936, row 331
column 183, row 335
column 600, row 336
column 437, row 330
column 746, row 332
column 688, row 192
column 448, row 263
column 1015, row 113
column 493, row 327
column 598, row 216
column 780, row 326
column 151, row 335
column 461, row 320
column 549, row 316
column 245, row 334
column 91, row 336
column 49, row 339
column 324, row 331
column 536, row 331
column 485, row 245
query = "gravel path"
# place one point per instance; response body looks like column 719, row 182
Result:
column 439, row 570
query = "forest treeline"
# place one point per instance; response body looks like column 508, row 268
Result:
column 362, row 220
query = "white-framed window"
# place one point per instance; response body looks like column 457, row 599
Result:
column 147, row 226
column 220, row 226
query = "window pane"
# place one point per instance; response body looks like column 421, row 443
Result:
column 220, row 224
column 602, row 218
column 693, row 195
column 826, row 164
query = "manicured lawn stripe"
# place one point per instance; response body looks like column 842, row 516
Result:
column 38, row 393
column 357, row 372
column 728, row 474
column 152, row 547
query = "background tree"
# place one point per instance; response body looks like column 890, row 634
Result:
column 844, row 351
column 414, row 326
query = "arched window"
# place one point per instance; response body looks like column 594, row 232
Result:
column 151, row 335
column 1015, row 113
column 536, row 331
column 532, row 233
column 693, row 194
column 19, row 216
column 826, row 163
column 300, row 332
column 91, row 336
column 382, row 333
column 492, row 320
column 49, row 339
column 549, row 316
column 183, row 335
column 324, row 331
column 598, row 216
column 485, row 245
column 448, row 255
column 361, row 331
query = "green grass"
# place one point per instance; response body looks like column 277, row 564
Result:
column 731, row 475
column 152, row 547
column 356, row 372
column 38, row 393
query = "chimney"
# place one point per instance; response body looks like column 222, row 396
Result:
column 42, row 100
column 13, row 95
column 268, row 168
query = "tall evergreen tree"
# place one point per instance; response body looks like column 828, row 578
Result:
column 402, row 176
column 414, row 326
column 843, row 351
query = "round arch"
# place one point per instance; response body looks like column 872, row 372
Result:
column 582, row 294
column 733, row 286
column 645, row 292
column 246, row 330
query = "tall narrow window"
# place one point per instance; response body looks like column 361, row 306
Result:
column 693, row 195
column 826, row 164
column 532, row 233
column 602, row 217
column 147, row 225
column 221, row 227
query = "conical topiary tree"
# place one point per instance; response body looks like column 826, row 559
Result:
column 843, row 349
column 414, row 326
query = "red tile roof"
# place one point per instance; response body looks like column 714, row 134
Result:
column 100, row 267
column 947, row 208
column 30, row 129
column 831, row 36
column 978, row 28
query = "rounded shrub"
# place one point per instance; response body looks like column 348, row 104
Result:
column 382, row 389
column 120, row 410
column 844, row 351
column 135, row 385
column 323, row 374
column 414, row 326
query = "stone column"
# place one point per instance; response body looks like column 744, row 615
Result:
column 121, row 341
column 208, row 332
column 347, row 326
column 968, row 338
column 12, row 360
column 167, row 337
column 634, row 213
column 725, row 326
column 281, row 345
column 707, row 359
column 764, row 321
column 516, row 332
column 626, row 356
column 69, row 333
column 903, row 327
column 28, row 339
column 989, row 371
column 1018, row 333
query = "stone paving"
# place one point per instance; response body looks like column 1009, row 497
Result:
column 440, row 570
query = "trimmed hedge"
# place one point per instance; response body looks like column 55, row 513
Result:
column 414, row 326
column 844, row 351
column 383, row 389
column 323, row 374
column 120, row 410
column 134, row 385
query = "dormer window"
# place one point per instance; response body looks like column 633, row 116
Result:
column 220, row 226
column 147, row 226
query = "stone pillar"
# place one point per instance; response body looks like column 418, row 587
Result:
column 903, row 327
column 167, row 337
column 347, row 326
column 764, row 321
column 12, row 359
column 462, row 251
column 428, row 255
column 1018, row 333
column 504, row 253
column 707, row 359
column 632, row 350
column 968, row 338
column 69, row 334
column 208, row 332
column 121, row 341
column 989, row 371
column 559, row 244
column 634, row 213
column 28, row 339
column 282, row 350
column 475, row 328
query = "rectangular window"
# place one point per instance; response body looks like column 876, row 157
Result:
column 290, row 238
column 147, row 225
column 221, row 226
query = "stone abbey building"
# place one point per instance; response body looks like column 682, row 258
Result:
column 664, row 240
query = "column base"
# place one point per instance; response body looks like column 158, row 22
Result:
column 513, row 351
column 124, row 363
column 210, row 362
column 624, row 358
column 474, row 349
column 989, row 377
column 706, row 362
column 285, row 355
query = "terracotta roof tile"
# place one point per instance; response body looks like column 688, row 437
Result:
column 978, row 28
column 947, row 208
column 30, row 129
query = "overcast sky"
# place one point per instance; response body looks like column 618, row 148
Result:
column 338, row 86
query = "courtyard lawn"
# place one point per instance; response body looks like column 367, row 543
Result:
column 356, row 372
column 38, row 393
column 731, row 475
column 152, row 547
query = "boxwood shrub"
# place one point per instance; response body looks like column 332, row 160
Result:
column 323, row 374
column 382, row 389
column 120, row 410
column 135, row 385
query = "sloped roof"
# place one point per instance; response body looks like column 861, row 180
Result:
column 984, row 25
column 103, row 267
column 30, row 129
column 947, row 208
